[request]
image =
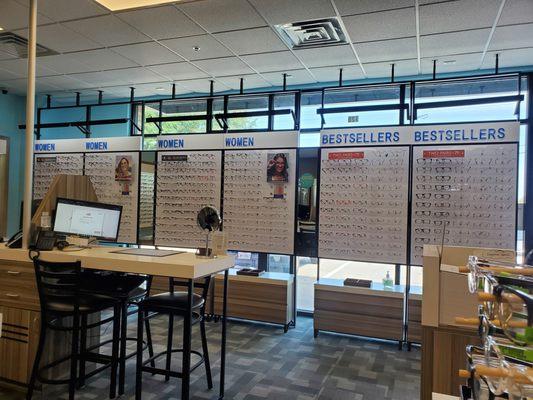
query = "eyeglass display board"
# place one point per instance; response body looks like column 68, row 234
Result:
column 364, row 195
column 187, row 181
column 259, row 200
column 464, row 196
column 47, row 166
column 115, row 178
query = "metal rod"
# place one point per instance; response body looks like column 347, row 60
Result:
column 48, row 100
column 497, row 64
column 284, row 82
column 434, row 69
column 173, row 90
column 30, row 115
column 241, row 90
column 100, row 96
column 340, row 77
column 211, row 88
column 392, row 73
column 132, row 93
column 78, row 94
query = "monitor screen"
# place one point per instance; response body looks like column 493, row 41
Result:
column 76, row 217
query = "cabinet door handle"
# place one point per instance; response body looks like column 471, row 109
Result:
column 14, row 296
column 13, row 272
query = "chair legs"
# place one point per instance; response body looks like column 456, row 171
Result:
column 114, row 352
column 138, row 370
column 205, row 351
column 37, row 361
column 169, row 344
column 74, row 356
column 83, row 349
column 123, row 344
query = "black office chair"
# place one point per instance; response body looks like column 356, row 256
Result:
column 60, row 297
column 175, row 304
column 128, row 290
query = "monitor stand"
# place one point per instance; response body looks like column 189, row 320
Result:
column 82, row 242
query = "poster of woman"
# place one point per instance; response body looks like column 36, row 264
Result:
column 123, row 173
column 277, row 167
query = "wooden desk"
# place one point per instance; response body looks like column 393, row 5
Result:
column 19, row 301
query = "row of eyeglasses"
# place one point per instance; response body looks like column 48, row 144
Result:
column 502, row 367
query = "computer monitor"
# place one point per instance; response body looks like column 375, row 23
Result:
column 85, row 218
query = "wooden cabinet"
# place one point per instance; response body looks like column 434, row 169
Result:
column 373, row 312
column 414, row 325
column 267, row 298
column 19, row 306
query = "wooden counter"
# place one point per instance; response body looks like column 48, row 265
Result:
column 266, row 298
column 19, row 299
column 374, row 312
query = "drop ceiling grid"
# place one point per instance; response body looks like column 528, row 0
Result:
column 444, row 26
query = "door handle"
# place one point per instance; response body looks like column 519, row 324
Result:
column 13, row 296
column 13, row 272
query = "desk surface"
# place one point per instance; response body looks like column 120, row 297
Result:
column 377, row 289
column 184, row 265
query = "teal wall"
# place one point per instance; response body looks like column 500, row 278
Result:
column 12, row 113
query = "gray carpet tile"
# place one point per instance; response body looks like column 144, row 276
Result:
column 264, row 363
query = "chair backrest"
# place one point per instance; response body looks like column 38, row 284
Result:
column 57, row 282
column 202, row 283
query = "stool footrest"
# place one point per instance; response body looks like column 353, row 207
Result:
column 175, row 374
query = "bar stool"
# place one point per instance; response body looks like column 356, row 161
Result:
column 128, row 290
column 191, row 307
column 60, row 297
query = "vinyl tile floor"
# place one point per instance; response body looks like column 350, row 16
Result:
column 265, row 363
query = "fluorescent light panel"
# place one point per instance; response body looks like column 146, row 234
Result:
column 116, row 5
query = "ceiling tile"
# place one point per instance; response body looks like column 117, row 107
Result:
column 386, row 50
column 100, row 79
column 19, row 67
column 200, row 86
column 282, row 11
column 224, row 66
column 107, row 30
column 150, row 53
column 253, row 81
column 250, row 41
column 60, row 38
column 463, row 62
column 327, row 56
column 209, row 47
column 20, row 86
column 381, row 25
column 331, row 74
column 457, row 15
column 294, row 77
column 136, row 75
column 347, row 7
column 454, row 43
column 510, row 58
column 161, row 22
column 218, row 16
column 158, row 89
column 7, row 75
column 178, row 71
column 512, row 37
column 64, row 82
column 6, row 56
column 383, row 70
column 63, row 10
column 279, row 61
column 516, row 12
column 64, row 63
column 98, row 60
column 15, row 16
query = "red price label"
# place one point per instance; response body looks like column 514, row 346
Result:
column 346, row 155
column 443, row 153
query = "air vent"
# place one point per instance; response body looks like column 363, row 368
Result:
column 17, row 46
column 316, row 33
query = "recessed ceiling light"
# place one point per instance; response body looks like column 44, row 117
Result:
column 116, row 5
column 449, row 62
column 160, row 89
column 196, row 48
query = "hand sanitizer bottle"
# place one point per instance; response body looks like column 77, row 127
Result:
column 387, row 281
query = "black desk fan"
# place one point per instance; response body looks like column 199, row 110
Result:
column 208, row 219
